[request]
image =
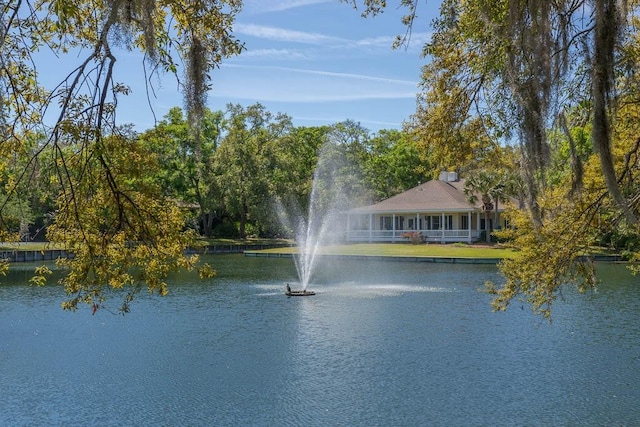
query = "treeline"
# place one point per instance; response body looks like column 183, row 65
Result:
column 229, row 179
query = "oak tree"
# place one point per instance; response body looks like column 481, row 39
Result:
column 535, row 73
column 121, row 230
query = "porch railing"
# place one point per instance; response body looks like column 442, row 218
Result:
column 397, row 235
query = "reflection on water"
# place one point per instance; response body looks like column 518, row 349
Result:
column 380, row 344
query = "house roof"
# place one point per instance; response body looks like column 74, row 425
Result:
column 431, row 196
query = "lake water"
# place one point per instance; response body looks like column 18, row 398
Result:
column 381, row 344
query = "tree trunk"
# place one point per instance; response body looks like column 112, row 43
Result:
column 203, row 222
column 201, row 207
column 531, row 197
column 606, row 31
column 209, row 223
column 206, row 222
column 243, row 221
column 487, row 225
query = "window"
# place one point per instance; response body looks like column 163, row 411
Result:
column 385, row 223
column 359, row 222
column 483, row 224
column 435, row 222
column 448, row 222
column 464, row 222
column 399, row 223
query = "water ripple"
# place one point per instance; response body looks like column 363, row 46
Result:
column 403, row 345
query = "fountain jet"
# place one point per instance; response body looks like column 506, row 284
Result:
column 320, row 225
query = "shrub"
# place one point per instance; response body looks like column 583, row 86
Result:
column 414, row 237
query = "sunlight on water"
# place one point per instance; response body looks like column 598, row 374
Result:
column 356, row 290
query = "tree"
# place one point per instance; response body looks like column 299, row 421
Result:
column 188, row 173
column 341, row 165
column 245, row 159
column 483, row 186
column 521, row 67
column 122, row 232
column 78, row 117
column 395, row 163
column 167, row 33
column 25, row 200
column 523, row 55
column 296, row 155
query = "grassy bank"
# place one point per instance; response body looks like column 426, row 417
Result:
column 43, row 246
column 29, row 246
column 456, row 250
column 246, row 242
column 425, row 250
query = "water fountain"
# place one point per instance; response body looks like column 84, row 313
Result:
column 320, row 225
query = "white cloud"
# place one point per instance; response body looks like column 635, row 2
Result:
column 419, row 39
column 274, row 54
column 266, row 6
column 282, row 84
column 328, row 74
column 382, row 41
column 337, row 119
column 415, row 42
column 281, row 34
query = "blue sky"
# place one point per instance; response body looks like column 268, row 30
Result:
column 318, row 61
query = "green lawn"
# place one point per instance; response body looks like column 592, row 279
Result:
column 426, row 250
column 28, row 246
column 456, row 250
column 247, row 241
column 41, row 246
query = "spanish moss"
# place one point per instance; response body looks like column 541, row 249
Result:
column 196, row 85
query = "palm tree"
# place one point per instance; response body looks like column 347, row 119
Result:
column 504, row 186
column 484, row 186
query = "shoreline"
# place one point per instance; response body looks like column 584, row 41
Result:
column 35, row 255
column 405, row 258
column 413, row 258
column 258, row 251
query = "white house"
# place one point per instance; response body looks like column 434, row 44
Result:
column 438, row 209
